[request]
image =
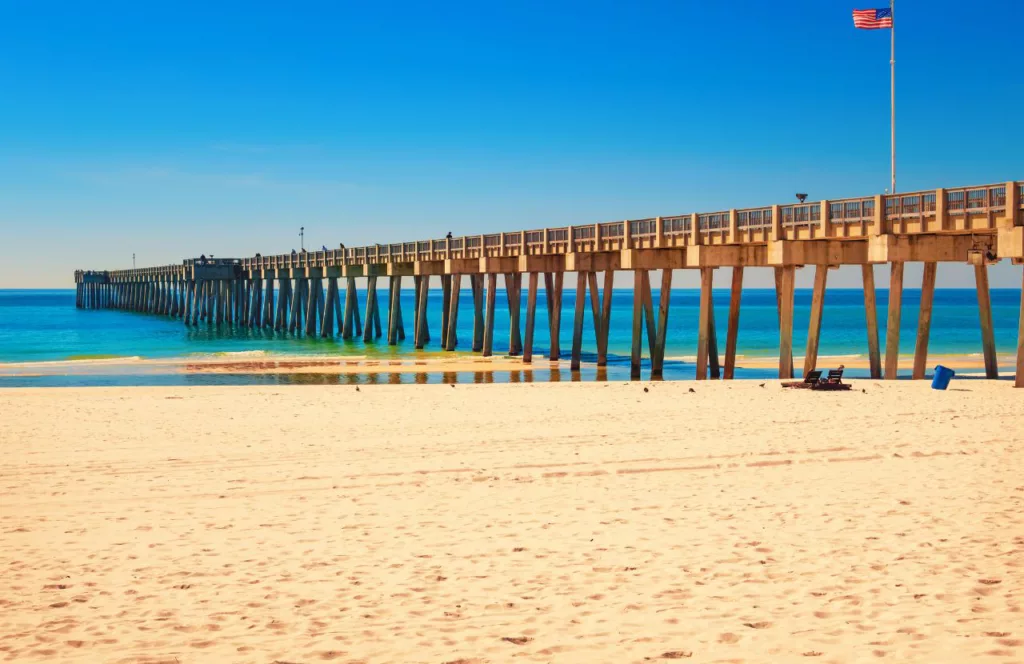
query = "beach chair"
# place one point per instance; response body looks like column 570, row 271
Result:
column 834, row 381
column 810, row 380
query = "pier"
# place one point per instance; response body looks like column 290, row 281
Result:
column 315, row 293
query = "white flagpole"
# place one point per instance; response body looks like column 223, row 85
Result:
column 892, row 76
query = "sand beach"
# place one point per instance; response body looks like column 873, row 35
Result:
column 586, row 522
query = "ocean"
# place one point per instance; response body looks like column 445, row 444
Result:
column 45, row 326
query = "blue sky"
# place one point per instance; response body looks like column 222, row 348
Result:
column 173, row 129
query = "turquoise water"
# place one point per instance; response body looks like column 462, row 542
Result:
column 44, row 325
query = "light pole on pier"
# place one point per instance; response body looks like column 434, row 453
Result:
column 302, row 235
column 133, row 261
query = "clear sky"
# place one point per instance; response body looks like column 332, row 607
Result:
column 170, row 129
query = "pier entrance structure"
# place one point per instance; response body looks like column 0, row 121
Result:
column 316, row 291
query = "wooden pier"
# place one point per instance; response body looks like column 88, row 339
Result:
column 301, row 293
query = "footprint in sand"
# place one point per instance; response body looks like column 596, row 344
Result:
column 518, row 640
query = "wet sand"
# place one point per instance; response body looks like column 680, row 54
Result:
column 434, row 363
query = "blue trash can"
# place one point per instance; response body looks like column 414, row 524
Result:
column 942, row 377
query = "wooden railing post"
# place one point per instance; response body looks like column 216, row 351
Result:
column 879, row 221
column 734, row 226
column 627, row 235
column 825, row 217
column 659, row 232
column 695, row 236
column 597, row 237
column 941, row 210
column 776, row 232
column 571, row 247
column 547, row 242
column 1013, row 214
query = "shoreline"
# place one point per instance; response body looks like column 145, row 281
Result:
column 263, row 362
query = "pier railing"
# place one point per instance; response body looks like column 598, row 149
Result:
column 971, row 209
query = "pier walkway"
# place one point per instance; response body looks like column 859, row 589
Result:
column 301, row 293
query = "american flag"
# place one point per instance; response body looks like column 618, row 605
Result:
column 872, row 19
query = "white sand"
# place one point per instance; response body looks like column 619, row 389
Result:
column 540, row 522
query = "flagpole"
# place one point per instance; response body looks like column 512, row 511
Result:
column 892, row 77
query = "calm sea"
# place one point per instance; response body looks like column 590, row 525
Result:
column 44, row 325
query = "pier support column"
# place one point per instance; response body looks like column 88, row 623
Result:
column 513, row 286
column 295, row 307
column 892, row 332
column 652, row 331
column 446, row 307
column 924, row 321
column 351, row 327
column 314, row 306
column 638, row 324
column 871, row 314
column 1019, row 379
column 422, row 297
column 283, row 304
column 664, row 299
column 704, row 321
column 371, row 325
column 531, row 317
column 187, row 313
column 733, row 326
column 477, row 283
column 395, row 332
column 453, row 313
column 256, row 304
column 492, row 286
column 330, row 304
column 304, row 293
column 606, row 318
column 713, row 362
column 268, row 312
column 988, row 339
column 784, row 287
column 577, row 326
column 817, row 310
column 553, row 295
